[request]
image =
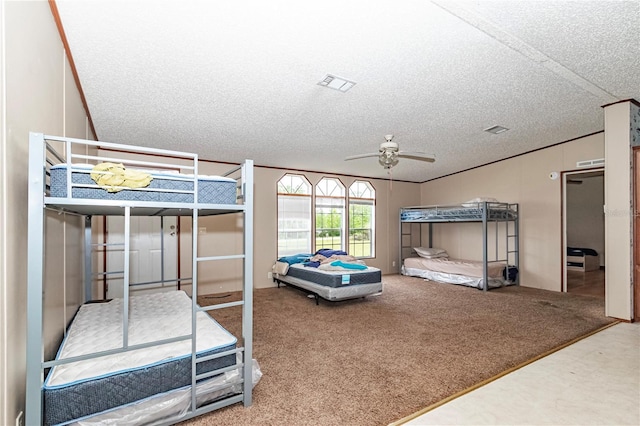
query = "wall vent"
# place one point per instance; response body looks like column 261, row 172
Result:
column 591, row 163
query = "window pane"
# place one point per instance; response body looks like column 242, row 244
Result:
column 330, row 216
column 361, row 219
column 294, row 216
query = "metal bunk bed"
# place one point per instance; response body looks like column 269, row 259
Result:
column 484, row 212
column 42, row 156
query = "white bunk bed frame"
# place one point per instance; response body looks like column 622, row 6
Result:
column 484, row 212
column 39, row 200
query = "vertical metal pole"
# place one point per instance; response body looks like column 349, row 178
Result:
column 194, row 284
column 517, row 242
column 35, row 257
column 88, row 253
column 496, row 253
column 401, row 242
column 247, row 307
column 506, row 231
column 162, row 251
column 125, row 284
column 430, row 234
column 485, row 285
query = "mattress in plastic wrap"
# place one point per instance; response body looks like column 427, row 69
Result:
column 81, row 388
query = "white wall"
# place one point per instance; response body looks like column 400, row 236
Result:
column 39, row 95
column 524, row 180
column 585, row 214
column 618, row 217
column 4, row 388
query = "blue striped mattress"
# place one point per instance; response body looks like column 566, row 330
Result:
column 211, row 189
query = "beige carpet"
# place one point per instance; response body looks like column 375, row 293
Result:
column 373, row 361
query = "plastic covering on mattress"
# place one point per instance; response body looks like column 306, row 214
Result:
column 211, row 189
column 173, row 404
column 97, row 384
column 444, row 277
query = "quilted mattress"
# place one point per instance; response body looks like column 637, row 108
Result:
column 335, row 279
column 83, row 388
column 211, row 189
column 461, row 213
column 332, row 285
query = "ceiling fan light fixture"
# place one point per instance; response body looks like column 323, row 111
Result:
column 496, row 129
column 388, row 159
column 336, row 83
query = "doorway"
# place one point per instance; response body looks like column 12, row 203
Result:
column 583, row 233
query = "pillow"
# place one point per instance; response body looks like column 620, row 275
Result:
column 429, row 252
column 475, row 201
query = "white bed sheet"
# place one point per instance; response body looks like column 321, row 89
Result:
column 469, row 268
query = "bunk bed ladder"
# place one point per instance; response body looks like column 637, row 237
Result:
column 515, row 250
column 406, row 232
column 246, row 303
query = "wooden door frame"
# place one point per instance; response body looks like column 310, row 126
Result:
column 635, row 233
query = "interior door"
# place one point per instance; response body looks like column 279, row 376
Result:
column 152, row 255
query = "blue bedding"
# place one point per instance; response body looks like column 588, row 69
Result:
column 306, row 257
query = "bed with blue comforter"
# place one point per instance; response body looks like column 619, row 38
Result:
column 328, row 274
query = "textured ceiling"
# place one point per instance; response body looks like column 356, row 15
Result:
column 238, row 79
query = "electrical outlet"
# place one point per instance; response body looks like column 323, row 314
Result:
column 393, row 263
column 269, row 275
column 20, row 419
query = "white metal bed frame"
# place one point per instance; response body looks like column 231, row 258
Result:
column 40, row 153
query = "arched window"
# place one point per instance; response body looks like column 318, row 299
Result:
column 330, row 214
column 294, row 215
column 362, row 201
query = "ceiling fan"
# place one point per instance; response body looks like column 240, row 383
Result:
column 389, row 153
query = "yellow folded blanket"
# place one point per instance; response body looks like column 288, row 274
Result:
column 114, row 177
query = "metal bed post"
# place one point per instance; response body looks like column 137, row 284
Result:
column 485, row 284
column 162, row 251
column 88, row 269
column 194, row 287
column 247, row 307
column 517, row 242
column 401, row 245
column 125, row 283
column 35, row 244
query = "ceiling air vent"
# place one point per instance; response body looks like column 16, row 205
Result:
column 496, row 130
column 336, row 83
column 591, row 163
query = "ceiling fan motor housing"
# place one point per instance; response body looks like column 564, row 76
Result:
column 388, row 146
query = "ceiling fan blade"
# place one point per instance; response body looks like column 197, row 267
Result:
column 355, row 157
column 421, row 156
